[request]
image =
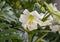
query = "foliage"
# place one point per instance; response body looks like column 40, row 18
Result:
column 11, row 29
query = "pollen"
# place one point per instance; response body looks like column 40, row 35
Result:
column 31, row 19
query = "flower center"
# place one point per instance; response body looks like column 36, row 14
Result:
column 31, row 19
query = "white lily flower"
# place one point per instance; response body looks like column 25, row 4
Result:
column 56, row 18
column 31, row 19
column 55, row 28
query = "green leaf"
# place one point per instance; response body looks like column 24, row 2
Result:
column 9, row 34
column 45, row 17
column 2, row 3
column 41, row 37
column 7, row 16
column 3, row 25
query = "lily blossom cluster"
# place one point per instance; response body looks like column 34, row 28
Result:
column 30, row 20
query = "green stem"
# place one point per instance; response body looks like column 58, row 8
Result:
column 41, row 37
column 30, row 34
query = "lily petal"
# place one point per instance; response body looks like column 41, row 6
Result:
column 26, row 11
column 36, row 14
column 41, row 15
column 23, row 18
column 41, row 23
column 55, row 28
column 32, row 27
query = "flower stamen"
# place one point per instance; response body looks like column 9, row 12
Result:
column 31, row 18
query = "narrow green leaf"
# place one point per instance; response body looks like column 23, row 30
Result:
column 38, row 40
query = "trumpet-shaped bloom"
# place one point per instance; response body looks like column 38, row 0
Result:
column 30, row 20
